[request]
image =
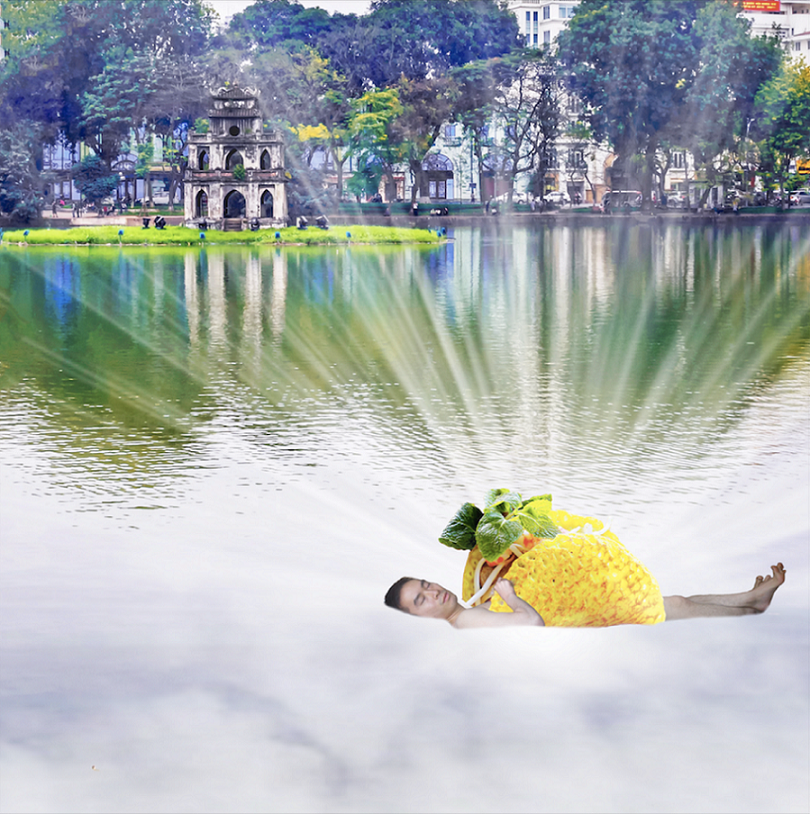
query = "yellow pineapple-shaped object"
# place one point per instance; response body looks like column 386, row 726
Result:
column 583, row 577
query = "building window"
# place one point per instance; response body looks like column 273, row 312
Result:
column 534, row 41
column 450, row 131
column 233, row 159
column 546, row 37
column 678, row 161
column 546, row 12
column 528, row 23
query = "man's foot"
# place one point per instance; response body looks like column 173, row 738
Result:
column 765, row 587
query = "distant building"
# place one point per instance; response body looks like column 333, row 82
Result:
column 789, row 19
column 235, row 173
column 540, row 21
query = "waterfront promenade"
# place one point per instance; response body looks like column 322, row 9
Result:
column 569, row 217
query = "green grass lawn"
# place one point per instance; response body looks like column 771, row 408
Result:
column 182, row 236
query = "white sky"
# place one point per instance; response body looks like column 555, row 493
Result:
column 227, row 8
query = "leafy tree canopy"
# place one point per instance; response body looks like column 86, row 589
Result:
column 652, row 71
column 268, row 23
column 417, row 39
column 20, row 181
column 93, row 179
column 784, row 109
column 61, row 50
column 783, row 118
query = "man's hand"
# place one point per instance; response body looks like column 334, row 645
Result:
column 522, row 612
column 505, row 590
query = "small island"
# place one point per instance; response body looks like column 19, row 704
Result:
column 184, row 236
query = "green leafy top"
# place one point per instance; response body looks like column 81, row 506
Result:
column 505, row 517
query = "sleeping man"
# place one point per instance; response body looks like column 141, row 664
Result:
column 531, row 564
column 419, row 597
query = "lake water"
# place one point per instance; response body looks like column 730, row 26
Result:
column 214, row 462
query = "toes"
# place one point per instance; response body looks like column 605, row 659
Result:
column 757, row 582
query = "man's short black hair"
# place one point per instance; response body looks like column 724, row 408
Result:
column 392, row 597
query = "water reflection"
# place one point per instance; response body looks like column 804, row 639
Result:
column 550, row 345
column 214, row 461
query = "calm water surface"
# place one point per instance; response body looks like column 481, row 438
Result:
column 215, row 461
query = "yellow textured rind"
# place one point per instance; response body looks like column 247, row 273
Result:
column 579, row 579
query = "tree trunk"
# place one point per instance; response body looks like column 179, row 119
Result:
column 420, row 185
column 390, row 185
column 647, row 177
column 478, row 149
column 338, row 168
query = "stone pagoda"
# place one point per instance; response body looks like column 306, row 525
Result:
column 235, row 177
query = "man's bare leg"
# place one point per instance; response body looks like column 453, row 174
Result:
column 754, row 601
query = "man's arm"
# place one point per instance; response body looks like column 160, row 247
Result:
column 522, row 612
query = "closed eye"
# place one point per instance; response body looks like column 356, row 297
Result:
column 420, row 598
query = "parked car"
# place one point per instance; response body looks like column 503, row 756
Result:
column 801, row 197
column 676, row 201
column 558, row 198
column 621, row 199
column 738, row 198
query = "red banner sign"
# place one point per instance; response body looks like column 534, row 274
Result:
column 761, row 5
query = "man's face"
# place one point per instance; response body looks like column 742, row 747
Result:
column 422, row 598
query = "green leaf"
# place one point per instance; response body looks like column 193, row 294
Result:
column 495, row 534
column 460, row 531
column 538, row 498
column 535, row 521
column 503, row 499
column 493, row 495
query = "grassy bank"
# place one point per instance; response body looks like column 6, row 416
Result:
column 181, row 236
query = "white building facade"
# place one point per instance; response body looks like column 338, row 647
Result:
column 788, row 19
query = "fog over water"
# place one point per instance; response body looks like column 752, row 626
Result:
column 214, row 462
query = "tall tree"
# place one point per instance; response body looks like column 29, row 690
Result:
column 72, row 59
column 528, row 107
column 20, row 178
column 427, row 104
column 654, row 74
column 478, row 87
column 719, row 105
column 114, row 105
column 371, row 142
column 632, row 62
column 179, row 99
column 783, row 119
